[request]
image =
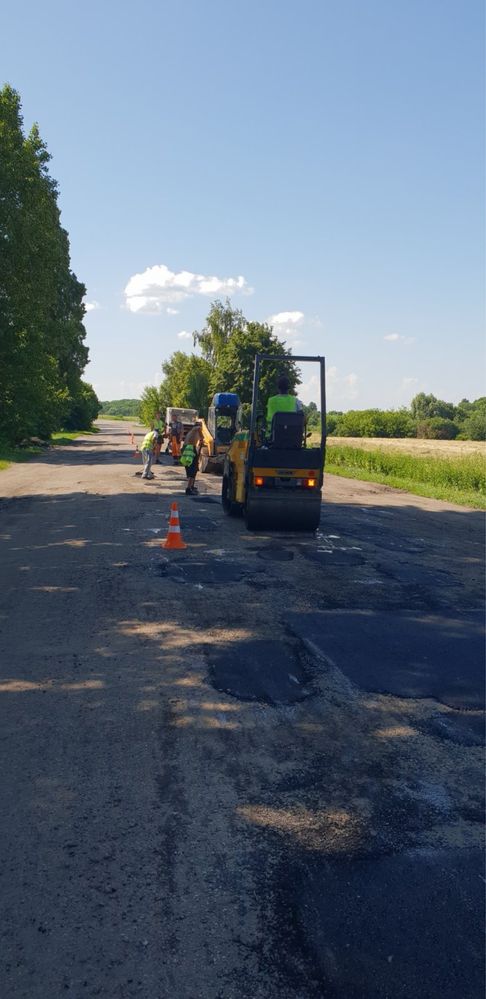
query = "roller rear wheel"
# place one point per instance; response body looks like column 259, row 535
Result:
column 230, row 506
column 282, row 514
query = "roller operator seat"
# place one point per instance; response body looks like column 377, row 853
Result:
column 287, row 431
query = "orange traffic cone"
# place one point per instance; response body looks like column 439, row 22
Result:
column 174, row 537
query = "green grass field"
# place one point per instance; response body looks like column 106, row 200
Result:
column 460, row 479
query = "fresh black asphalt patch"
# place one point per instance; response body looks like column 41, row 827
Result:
column 404, row 926
column 414, row 574
column 189, row 523
column 272, row 672
column 209, row 572
column 275, row 554
column 205, row 499
column 330, row 557
column 408, row 654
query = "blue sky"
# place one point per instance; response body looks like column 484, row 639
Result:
column 322, row 162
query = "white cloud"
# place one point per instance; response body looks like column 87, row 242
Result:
column 288, row 325
column 309, row 391
column 131, row 390
column 286, row 319
column 158, row 285
column 172, row 312
column 397, row 338
column 184, row 335
column 409, row 382
column 341, row 388
column 92, row 306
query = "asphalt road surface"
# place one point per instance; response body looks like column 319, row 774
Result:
column 249, row 769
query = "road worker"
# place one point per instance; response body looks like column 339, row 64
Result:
column 149, row 444
column 190, row 457
column 176, row 432
column 157, row 425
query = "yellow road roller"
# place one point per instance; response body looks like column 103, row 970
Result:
column 272, row 474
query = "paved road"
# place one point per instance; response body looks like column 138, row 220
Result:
column 251, row 769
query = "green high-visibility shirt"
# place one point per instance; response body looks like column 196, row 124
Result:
column 148, row 442
column 281, row 404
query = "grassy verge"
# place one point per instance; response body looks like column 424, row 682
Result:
column 66, row 436
column 10, row 455
column 14, row 455
column 459, row 480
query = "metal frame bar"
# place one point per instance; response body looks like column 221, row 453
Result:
column 285, row 358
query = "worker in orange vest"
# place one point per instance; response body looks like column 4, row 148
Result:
column 176, row 431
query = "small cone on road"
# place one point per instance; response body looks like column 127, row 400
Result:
column 174, row 536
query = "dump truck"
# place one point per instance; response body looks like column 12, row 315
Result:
column 224, row 421
column 187, row 417
column 272, row 475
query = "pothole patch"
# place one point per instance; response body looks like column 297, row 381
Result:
column 415, row 574
column 209, row 572
column 330, row 557
column 205, row 499
column 410, row 653
column 198, row 524
column 275, row 554
column 258, row 670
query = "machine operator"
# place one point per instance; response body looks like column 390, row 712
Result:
column 284, row 402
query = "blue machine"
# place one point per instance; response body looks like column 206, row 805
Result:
column 224, row 419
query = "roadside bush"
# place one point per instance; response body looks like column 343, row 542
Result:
column 474, row 428
column 82, row 408
column 375, row 423
column 332, row 420
column 437, row 429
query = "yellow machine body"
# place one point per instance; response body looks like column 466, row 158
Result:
column 271, row 475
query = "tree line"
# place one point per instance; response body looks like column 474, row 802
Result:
column 427, row 417
column 120, row 408
column 42, row 349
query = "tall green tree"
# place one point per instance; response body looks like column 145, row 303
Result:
column 222, row 322
column 150, row 402
column 235, row 366
column 42, row 353
column 424, row 407
column 186, row 381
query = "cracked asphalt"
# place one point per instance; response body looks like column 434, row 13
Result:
column 250, row 769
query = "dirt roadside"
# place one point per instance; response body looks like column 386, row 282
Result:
column 179, row 798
